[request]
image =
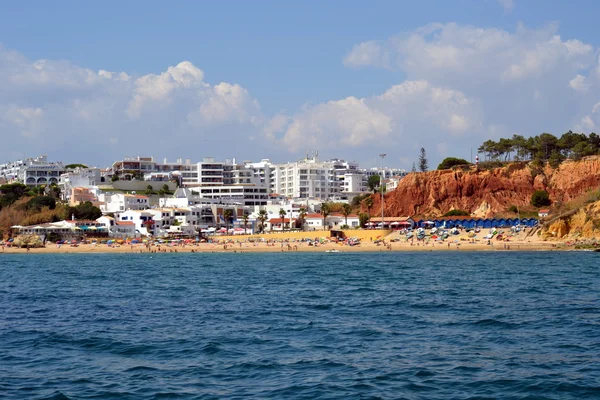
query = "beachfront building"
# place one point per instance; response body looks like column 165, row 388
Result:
column 119, row 202
column 65, row 230
column 119, row 229
column 32, row 171
column 391, row 222
column 208, row 178
column 279, row 224
column 314, row 221
column 311, row 178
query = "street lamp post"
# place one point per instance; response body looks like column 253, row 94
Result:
column 382, row 155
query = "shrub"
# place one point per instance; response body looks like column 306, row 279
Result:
column 450, row 162
column 38, row 202
column 453, row 213
column 513, row 209
column 540, row 198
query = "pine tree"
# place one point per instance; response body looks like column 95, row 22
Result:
column 423, row 167
column 414, row 168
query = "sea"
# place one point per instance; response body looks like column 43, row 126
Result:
column 439, row 325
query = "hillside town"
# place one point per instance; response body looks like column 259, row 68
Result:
column 143, row 197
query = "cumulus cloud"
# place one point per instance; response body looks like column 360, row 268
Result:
column 525, row 81
column 579, row 83
column 172, row 113
column 508, row 5
column 367, row 54
column 404, row 116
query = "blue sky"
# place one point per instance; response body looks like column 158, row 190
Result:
column 347, row 78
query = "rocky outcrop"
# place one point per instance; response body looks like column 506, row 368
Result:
column 584, row 223
column 485, row 193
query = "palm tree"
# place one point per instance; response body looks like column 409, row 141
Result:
column 262, row 217
column 282, row 215
column 325, row 211
column 245, row 219
column 301, row 216
column 228, row 215
column 369, row 204
column 346, row 210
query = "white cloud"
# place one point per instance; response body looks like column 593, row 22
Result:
column 579, row 84
column 413, row 112
column 528, row 81
column 169, row 113
column 508, row 5
column 365, row 54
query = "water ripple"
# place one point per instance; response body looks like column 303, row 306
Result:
column 300, row 326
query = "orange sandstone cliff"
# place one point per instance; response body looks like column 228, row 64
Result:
column 485, row 193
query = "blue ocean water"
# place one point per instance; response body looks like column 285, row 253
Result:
column 454, row 325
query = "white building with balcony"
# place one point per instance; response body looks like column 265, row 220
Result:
column 32, row 171
column 119, row 202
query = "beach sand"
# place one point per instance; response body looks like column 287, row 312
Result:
column 456, row 243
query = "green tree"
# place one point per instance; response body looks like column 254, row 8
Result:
column 423, row 166
column 325, row 211
column 164, row 190
column 282, row 214
column 74, row 166
column 12, row 192
column 53, row 191
column 262, row 218
column 39, row 202
column 369, row 204
column 149, row 190
column 346, row 210
column 414, row 168
column 540, row 198
column 363, row 219
column 373, row 182
column 301, row 217
column 228, row 216
column 450, row 162
column 86, row 211
column 245, row 218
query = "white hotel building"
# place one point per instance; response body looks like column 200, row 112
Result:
column 209, row 178
column 32, row 171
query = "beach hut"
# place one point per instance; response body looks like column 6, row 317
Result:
column 487, row 223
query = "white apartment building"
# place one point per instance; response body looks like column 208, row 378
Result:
column 119, row 202
column 87, row 178
column 32, row 171
column 313, row 178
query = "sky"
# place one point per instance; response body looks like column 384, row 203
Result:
column 93, row 82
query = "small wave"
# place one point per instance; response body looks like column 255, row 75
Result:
column 210, row 348
column 495, row 323
column 424, row 373
column 318, row 306
column 56, row 396
column 141, row 368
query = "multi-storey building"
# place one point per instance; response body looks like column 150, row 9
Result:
column 32, row 171
column 311, row 178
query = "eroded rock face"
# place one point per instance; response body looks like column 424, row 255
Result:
column 486, row 193
column 583, row 224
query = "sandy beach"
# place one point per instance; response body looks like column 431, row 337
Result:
column 279, row 244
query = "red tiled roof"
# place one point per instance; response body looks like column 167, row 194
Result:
column 125, row 223
column 313, row 215
column 278, row 220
